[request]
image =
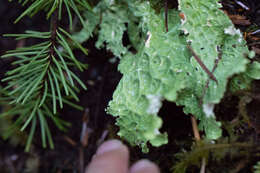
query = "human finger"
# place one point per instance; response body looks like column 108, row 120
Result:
column 144, row 166
column 111, row 157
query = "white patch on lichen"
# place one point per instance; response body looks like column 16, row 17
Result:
column 185, row 31
column 156, row 132
column 212, row 141
column 147, row 43
column 111, row 2
column 232, row 31
column 208, row 109
column 155, row 103
column 113, row 34
column 189, row 41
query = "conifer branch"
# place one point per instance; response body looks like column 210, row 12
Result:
column 34, row 87
column 54, row 25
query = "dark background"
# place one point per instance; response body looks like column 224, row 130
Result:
column 101, row 78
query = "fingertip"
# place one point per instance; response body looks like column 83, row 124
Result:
column 110, row 146
column 111, row 157
column 144, row 166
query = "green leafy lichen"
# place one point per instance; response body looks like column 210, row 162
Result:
column 213, row 37
column 113, row 25
column 148, row 77
column 165, row 69
column 91, row 22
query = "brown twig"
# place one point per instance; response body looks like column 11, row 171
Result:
column 197, row 138
column 203, row 66
column 204, row 92
column 85, row 132
column 195, row 128
column 213, row 70
column 81, row 160
column 84, row 137
column 70, row 141
column 103, row 137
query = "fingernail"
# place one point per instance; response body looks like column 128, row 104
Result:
column 109, row 146
column 142, row 165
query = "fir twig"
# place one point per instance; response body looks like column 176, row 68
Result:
column 197, row 138
column 34, row 87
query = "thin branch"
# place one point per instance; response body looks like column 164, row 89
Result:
column 203, row 66
column 197, row 138
column 213, row 70
column 54, row 26
column 195, row 128
column 203, row 165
